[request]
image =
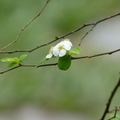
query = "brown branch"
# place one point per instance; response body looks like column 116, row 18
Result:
column 94, row 25
column 37, row 66
column 10, row 69
column 22, row 65
column 73, row 58
column 87, row 34
column 97, row 55
column 114, row 115
column 16, row 39
column 45, row 65
column 116, row 108
column 67, row 34
column 110, row 100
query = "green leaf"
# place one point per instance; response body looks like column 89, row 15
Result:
column 12, row 64
column 16, row 60
column 6, row 59
column 64, row 62
column 22, row 57
column 75, row 51
column 10, row 60
column 116, row 118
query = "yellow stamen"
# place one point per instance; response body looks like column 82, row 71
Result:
column 60, row 47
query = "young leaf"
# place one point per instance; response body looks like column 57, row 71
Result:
column 117, row 117
column 64, row 62
column 15, row 60
column 22, row 57
column 12, row 64
column 10, row 60
column 6, row 59
column 75, row 51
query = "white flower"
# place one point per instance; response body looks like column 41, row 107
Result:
column 61, row 48
column 50, row 53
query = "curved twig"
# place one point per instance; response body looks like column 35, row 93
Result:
column 67, row 34
column 16, row 39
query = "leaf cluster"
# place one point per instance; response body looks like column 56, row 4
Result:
column 14, row 61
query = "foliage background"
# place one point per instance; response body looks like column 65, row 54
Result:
column 85, row 87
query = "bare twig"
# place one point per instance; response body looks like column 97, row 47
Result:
column 94, row 25
column 73, row 58
column 10, row 69
column 101, row 54
column 63, row 36
column 87, row 34
column 16, row 39
column 45, row 65
column 114, row 114
column 116, row 108
column 22, row 65
column 110, row 100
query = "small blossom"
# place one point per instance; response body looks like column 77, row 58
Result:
column 50, row 53
column 61, row 48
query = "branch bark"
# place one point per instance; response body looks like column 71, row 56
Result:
column 110, row 100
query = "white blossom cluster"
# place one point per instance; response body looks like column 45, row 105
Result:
column 60, row 49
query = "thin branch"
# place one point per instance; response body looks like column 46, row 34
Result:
column 22, row 65
column 110, row 100
column 116, row 108
column 37, row 66
column 16, row 39
column 45, row 65
column 63, row 36
column 97, row 55
column 94, row 25
column 87, row 34
column 10, row 69
column 74, row 31
column 114, row 114
column 73, row 58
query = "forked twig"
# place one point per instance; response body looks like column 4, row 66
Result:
column 114, row 115
column 63, row 36
column 94, row 25
column 87, row 34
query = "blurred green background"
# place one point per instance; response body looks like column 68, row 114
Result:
column 86, row 86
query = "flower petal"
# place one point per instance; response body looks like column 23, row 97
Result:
column 55, row 51
column 49, row 56
column 62, row 52
column 67, row 44
column 67, row 47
